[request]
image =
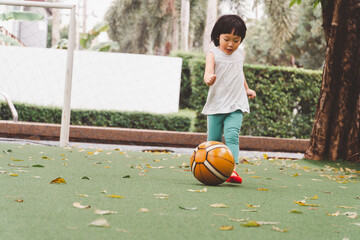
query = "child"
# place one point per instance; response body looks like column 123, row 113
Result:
column 228, row 92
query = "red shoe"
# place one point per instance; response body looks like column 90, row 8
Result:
column 234, row 178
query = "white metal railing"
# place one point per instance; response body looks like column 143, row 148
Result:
column 11, row 106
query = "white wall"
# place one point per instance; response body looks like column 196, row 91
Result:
column 101, row 81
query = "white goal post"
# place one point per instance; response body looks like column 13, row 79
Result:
column 66, row 111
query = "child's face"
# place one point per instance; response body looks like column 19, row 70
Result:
column 228, row 42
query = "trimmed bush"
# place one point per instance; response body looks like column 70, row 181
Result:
column 31, row 113
column 185, row 89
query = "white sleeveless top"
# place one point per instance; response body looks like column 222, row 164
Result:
column 228, row 93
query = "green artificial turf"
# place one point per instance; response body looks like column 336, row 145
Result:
column 157, row 203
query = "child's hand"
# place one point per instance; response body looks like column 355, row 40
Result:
column 210, row 79
column 250, row 93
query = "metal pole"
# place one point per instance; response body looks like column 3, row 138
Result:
column 37, row 4
column 65, row 120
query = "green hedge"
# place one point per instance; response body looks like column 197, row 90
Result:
column 185, row 89
column 31, row 113
column 285, row 104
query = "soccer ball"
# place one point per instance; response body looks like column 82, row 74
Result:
column 212, row 163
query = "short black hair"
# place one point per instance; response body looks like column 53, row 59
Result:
column 225, row 25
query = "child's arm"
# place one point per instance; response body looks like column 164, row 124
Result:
column 250, row 93
column 209, row 75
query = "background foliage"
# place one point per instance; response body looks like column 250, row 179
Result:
column 31, row 113
column 285, row 104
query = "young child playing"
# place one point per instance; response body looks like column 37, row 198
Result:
column 228, row 93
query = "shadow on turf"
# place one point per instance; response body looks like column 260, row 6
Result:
column 224, row 185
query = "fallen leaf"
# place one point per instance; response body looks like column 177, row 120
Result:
column 226, row 228
column 101, row 222
column 333, row 214
column 296, row 211
column 278, row 229
column 313, row 208
column 58, row 180
column 13, row 175
column 144, row 210
column 202, row 190
column 263, row 189
column 17, row 160
column 218, row 205
column 114, row 196
column 352, row 215
column 302, row 203
column 249, row 210
column 79, row 205
column 83, row 195
column 233, row 219
column 104, row 212
column 188, row 208
column 161, row 195
column 252, row 206
column 313, row 198
column 85, row 178
column 38, row 165
column 347, row 207
column 251, row 224
column 267, row 223
column 19, row 200
column 265, row 156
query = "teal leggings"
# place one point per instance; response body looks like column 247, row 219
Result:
column 229, row 125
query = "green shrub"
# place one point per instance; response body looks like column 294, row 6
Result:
column 185, row 89
column 136, row 120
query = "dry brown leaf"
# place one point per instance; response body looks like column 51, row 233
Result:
column 144, row 210
column 352, row 215
column 278, row 229
column 202, row 190
column 347, row 207
column 114, row 196
column 333, row 214
column 58, row 180
column 79, row 205
column 101, row 222
column 104, row 212
column 226, row 228
column 219, row 205
column 252, row 206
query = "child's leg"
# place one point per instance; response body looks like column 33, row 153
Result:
column 232, row 126
column 215, row 125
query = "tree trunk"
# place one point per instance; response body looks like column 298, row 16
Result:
column 185, row 22
column 84, row 16
column 55, row 32
column 336, row 132
column 211, row 16
column 175, row 28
